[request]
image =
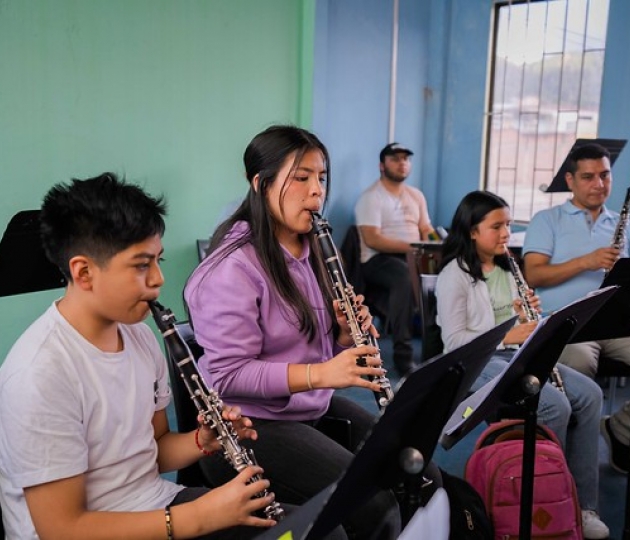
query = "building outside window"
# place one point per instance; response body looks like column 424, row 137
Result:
column 545, row 86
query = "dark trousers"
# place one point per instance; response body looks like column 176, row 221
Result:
column 390, row 271
column 300, row 461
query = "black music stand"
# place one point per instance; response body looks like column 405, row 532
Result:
column 614, row 147
column 404, row 437
column 21, row 242
column 615, row 321
column 520, row 384
column 611, row 324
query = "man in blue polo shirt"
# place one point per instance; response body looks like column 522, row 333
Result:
column 567, row 252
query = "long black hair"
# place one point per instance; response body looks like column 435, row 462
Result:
column 265, row 156
column 459, row 245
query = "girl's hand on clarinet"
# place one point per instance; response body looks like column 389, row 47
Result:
column 342, row 370
column 235, row 503
column 534, row 302
column 364, row 318
column 519, row 333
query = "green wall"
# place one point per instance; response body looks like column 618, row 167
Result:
column 167, row 93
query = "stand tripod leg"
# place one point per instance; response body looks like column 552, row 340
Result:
column 626, row 527
column 415, row 490
column 529, row 460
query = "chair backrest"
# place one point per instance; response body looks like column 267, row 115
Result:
column 185, row 410
column 376, row 297
column 350, row 253
column 431, row 337
column 202, row 248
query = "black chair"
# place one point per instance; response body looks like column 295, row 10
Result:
column 376, row 298
column 423, row 287
column 616, row 372
column 185, row 410
column 202, row 248
column 431, row 336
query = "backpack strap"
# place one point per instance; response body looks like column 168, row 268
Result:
column 509, row 430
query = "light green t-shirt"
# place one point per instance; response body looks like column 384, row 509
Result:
column 498, row 282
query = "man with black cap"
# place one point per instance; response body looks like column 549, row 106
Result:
column 390, row 216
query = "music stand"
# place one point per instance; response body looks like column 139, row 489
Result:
column 21, row 242
column 403, row 438
column 520, row 384
column 614, row 147
column 615, row 321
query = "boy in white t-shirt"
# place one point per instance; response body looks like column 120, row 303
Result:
column 84, row 433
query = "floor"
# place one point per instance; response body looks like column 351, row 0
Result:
column 612, row 485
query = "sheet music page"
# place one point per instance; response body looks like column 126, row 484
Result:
column 467, row 406
column 431, row 522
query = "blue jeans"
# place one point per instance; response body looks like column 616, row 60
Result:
column 581, row 403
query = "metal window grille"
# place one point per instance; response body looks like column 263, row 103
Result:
column 545, row 86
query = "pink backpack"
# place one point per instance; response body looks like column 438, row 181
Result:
column 494, row 470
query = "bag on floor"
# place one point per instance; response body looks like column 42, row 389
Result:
column 494, row 469
column 469, row 519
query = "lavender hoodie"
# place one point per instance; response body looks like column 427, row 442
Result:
column 250, row 334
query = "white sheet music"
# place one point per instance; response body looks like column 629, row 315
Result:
column 430, row 522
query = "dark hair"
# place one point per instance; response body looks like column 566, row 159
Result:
column 459, row 245
column 265, row 156
column 97, row 217
column 586, row 151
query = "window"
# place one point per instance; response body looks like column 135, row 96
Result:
column 545, row 87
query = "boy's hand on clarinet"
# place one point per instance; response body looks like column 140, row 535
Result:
column 342, row 371
column 241, row 424
column 235, row 503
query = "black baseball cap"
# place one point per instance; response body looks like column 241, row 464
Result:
column 392, row 149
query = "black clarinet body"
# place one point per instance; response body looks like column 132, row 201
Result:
column 207, row 401
column 344, row 293
column 619, row 237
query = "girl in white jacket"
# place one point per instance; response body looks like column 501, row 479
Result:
column 475, row 292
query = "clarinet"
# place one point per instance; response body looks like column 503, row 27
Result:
column 530, row 313
column 344, row 293
column 207, row 401
column 619, row 238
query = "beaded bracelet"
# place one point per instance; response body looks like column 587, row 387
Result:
column 169, row 525
column 308, row 377
column 201, row 448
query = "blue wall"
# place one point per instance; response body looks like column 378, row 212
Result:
column 614, row 119
column 166, row 93
column 351, row 91
column 443, row 69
